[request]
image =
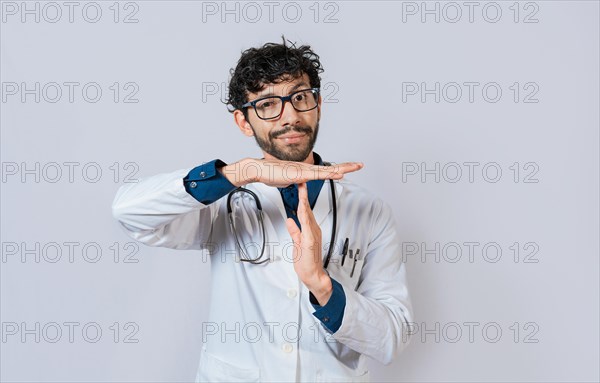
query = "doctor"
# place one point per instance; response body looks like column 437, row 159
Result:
column 286, row 303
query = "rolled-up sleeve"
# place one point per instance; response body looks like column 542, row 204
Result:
column 206, row 184
column 332, row 313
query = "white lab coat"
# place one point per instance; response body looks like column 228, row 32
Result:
column 261, row 326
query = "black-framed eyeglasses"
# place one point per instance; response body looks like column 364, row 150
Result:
column 268, row 108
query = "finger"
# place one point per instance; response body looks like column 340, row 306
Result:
column 302, row 192
column 293, row 229
column 304, row 211
column 348, row 167
column 337, row 171
column 296, row 235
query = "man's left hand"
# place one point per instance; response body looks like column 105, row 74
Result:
column 308, row 261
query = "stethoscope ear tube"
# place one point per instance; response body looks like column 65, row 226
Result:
column 243, row 189
column 246, row 258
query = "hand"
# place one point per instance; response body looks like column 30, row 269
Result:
column 283, row 173
column 308, row 261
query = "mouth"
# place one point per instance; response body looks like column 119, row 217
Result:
column 291, row 138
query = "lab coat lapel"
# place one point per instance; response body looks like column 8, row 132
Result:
column 324, row 205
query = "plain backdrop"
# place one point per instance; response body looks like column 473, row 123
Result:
column 477, row 122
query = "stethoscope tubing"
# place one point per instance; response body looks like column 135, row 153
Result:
column 262, row 224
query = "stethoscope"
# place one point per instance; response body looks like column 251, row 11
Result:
column 257, row 261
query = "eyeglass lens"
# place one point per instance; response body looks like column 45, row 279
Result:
column 272, row 107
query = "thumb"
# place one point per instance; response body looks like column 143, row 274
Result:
column 293, row 229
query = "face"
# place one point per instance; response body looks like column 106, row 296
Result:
column 291, row 136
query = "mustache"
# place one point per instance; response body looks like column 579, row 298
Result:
column 298, row 129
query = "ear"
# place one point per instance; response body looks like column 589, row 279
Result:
column 242, row 123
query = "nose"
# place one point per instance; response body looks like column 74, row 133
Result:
column 289, row 115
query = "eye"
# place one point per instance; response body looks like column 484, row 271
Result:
column 265, row 104
column 300, row 97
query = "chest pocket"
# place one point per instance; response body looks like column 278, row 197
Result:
column 346, row 268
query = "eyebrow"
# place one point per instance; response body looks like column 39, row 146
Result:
column 295, row 87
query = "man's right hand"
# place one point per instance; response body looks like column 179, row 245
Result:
column 283, row 173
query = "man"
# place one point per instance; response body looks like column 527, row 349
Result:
column 285, row 304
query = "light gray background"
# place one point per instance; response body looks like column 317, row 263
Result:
column 368, row 52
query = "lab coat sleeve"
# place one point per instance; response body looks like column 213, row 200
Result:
column 158, row 211
column 377, row 315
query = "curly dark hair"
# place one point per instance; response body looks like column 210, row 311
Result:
column 271, row 64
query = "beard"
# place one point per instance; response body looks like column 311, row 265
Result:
column 290, row 152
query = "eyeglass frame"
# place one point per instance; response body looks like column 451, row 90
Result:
column 283, row 99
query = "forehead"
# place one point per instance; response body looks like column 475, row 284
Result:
column 283, row 88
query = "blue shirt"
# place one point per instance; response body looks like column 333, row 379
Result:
column 207, row 185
